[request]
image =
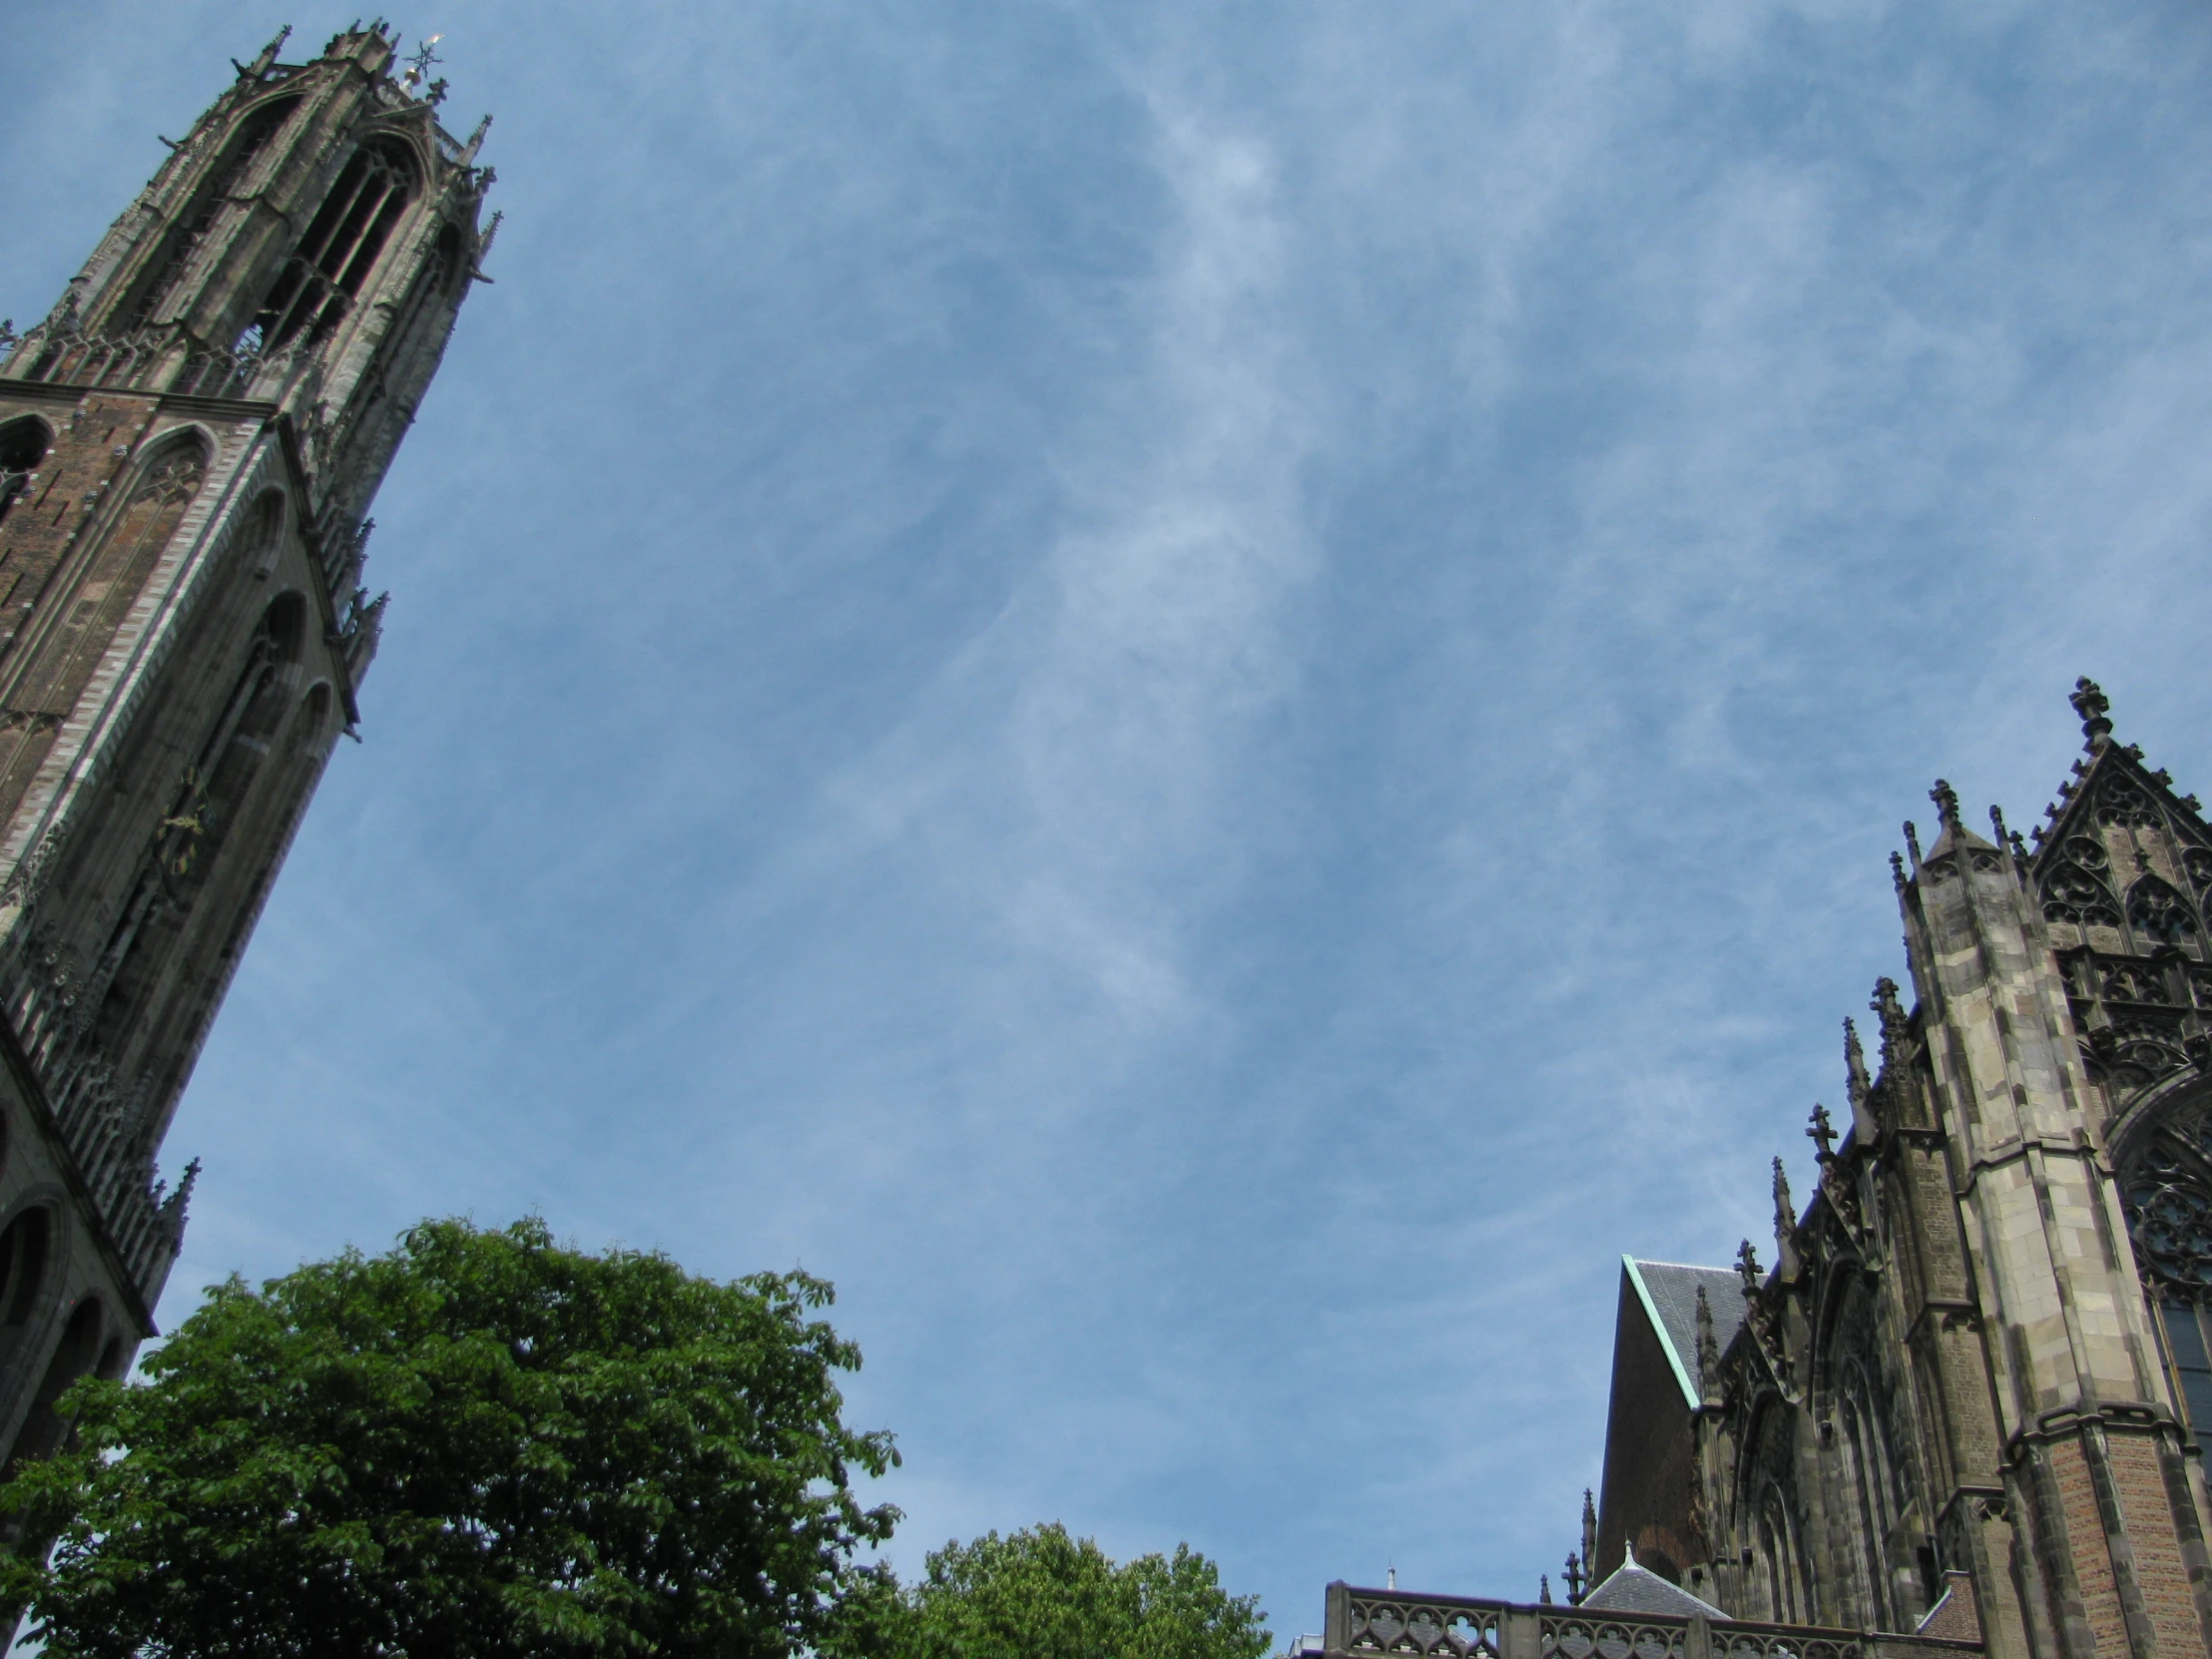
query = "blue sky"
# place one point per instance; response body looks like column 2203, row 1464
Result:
column 1205, row 695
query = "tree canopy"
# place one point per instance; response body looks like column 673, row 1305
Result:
column 478, row 1443
column 1044, row 1594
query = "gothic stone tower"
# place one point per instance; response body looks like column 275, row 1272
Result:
column 188, row 445
column 1978, row 1370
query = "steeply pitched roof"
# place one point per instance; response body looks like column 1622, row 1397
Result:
column 1668, row 1291
column 1633, row 1589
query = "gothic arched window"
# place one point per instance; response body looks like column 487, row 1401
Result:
column 24, row 1247
column 1863, row 1464
column 238, row 743
column 251, row 138
column 265, row 533
column 2166, row 1191
column 2157, row 910
column 313, row 721
column 23, row 445
column 45, row 1428
column 325, row 273
column 1774, row 1556
column 446, row 270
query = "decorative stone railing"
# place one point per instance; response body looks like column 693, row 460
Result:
column 1377, row 1622
column 148, row 359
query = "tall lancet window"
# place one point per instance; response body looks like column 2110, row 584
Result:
column 2166, row 1188
column 209, row 800
column 247, row 142
column 326, row 272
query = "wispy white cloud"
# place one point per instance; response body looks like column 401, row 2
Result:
column 1207, row 695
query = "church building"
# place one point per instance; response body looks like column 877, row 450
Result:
column 1958, row 1410
column 188, row 444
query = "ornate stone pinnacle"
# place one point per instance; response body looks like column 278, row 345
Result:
column 2094, row 708
column 1946, row 804
column 1912, row 842
column 1855, row 1063
column 1822, row 1133
column 1886, row 1007
column 1747, row 1267
column 1785, row 1212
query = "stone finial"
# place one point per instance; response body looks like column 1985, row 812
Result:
column 1946, row 805
column 1896, row 870
column 1590, row 1532
column 1543, row 1589
column 2094, row 708
column 1785, row 1212
column 1747, row 1268
column 1822, row 1133
column 1912, row 842
column 1996, row 823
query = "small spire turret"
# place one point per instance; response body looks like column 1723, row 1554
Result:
column 1886, row 1007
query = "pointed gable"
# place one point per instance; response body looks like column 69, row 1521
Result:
column 2122, row 875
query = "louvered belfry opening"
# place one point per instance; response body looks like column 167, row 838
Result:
column 185, row 238
column 327, row 270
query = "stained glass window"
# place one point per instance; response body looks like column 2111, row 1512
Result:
column 2166, row 1187
column 2192, row 1363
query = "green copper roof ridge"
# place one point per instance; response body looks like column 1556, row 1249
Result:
column 1659, row 1329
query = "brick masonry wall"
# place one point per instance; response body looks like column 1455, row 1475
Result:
column 2092, row 1565
column 79, row 469
column 2150, row 1532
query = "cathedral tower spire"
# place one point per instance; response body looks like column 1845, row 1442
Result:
column 189, row 443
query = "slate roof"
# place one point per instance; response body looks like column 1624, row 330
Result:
column 1634, row 1589
column 1670, row 1293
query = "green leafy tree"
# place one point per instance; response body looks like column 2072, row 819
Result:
column 479, row 1444
column 1042, row 1594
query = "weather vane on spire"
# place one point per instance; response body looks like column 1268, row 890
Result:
column 419, row 65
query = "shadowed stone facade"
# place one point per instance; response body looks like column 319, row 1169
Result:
column 188, row 443
column 1961, row 1409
